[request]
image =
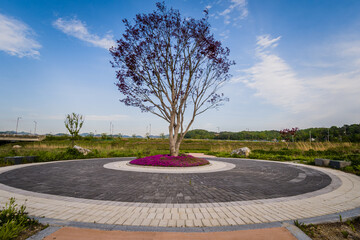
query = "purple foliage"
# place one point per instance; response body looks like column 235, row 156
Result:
column 171, row 66
column 163, row 52
column 170, row 161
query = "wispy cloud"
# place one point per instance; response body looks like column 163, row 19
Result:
column 17, row 39
column 78, row 29
column 264, row 41
column 272, row 78
column 327, row 97
column 235, row 11
column 225, row 34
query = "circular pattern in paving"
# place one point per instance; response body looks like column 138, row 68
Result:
column 249, row 180
column 214, row 166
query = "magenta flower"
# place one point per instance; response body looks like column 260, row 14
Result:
column 170, row 161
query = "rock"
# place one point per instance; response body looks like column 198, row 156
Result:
column 331, row 163
column 82, row 150
column 16, row 146
column 14, row 160
column 245, row 151
column 339, row 164
column 322, row 162
column 30, row 159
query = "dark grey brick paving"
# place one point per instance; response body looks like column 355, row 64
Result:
column 249, row 180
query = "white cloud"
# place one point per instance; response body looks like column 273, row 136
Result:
column 264, row 41
column 272, row 78
column 78, row 29
column 326, row 98
column 17, row 38
column 237, row 10
column 225, row 34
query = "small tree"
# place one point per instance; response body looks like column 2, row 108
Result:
column 288, row 134
column 73, row 123
column 104, row 136
column 168, row 64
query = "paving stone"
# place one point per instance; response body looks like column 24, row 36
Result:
column 249, row 180
column 163, row 223
column 189, row 223
column 167, row 216
column 146, row 222
column 199, row 215
column 154, row 222
column 214, row 222
column 183, row 216
column 171, row 223
column 206, row 222
column 180, row 223
column 246, row 210
column 159, row 216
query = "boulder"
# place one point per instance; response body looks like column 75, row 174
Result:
column 339, row 164
column 82, row 150
column 245, row 151
column 30, row 159
column 322, row 162
column 14, row 160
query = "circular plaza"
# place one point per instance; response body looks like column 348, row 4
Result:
column 226, row 192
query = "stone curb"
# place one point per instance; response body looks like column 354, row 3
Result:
column 350, row 214
column 57, row 224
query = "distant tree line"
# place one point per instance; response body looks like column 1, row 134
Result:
column 346, row 133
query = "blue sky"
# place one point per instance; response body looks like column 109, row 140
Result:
column 297, row 64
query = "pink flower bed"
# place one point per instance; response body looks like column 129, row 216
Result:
column 170, row 161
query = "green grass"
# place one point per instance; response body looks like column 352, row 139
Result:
column 57, row 148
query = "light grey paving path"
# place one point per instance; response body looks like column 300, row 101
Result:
column 214, row 166
column 341, row 195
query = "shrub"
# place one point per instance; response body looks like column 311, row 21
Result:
column 14, row 220
column 10, row 230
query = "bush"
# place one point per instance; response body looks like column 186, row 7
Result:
column 354, row 158
column 14, row 220
column 72, row 153
column 10, row 230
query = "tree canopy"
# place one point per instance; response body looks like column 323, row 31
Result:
column 73, row 123
column 346, row 133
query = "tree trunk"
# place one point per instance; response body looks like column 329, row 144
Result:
column 172, row 138
column 175, row 144
column 173, row 151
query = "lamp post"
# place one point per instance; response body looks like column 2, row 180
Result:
column 35, row 127
column 17, row 124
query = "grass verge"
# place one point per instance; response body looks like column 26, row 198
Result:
column 349, row 229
